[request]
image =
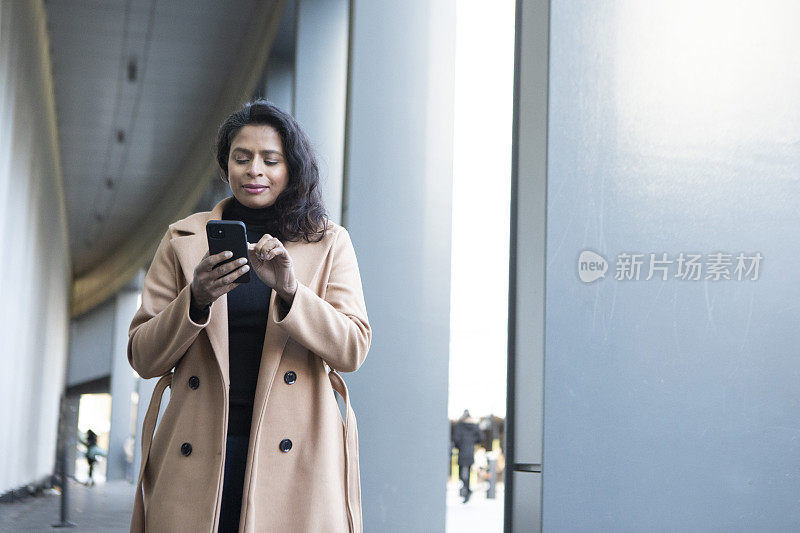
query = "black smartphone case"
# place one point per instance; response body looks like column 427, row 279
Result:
column 229, row 235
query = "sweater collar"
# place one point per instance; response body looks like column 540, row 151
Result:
column 264, row 216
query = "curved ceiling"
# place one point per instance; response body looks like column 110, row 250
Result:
column 140, row 88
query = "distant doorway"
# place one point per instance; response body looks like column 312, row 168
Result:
column 484, row 79
column 94, row 414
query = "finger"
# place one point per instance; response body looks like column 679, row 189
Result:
column 259, row 251
column 267, row 244
column 224, row 280
column 215, row 260
column 222, row 270
column 265, row 240
column 210, row 261
column 222, row 255
column 266, row 252
column 275, row 252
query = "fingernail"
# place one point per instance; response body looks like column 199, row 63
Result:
column 228, row 254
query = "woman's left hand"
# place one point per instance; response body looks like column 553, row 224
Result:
column 272, row 264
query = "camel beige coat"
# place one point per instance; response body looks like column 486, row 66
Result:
column 315, row 486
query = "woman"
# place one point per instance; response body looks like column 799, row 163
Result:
column 93, row 451
column 252, row 438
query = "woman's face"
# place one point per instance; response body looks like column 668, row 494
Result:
column 257, row 169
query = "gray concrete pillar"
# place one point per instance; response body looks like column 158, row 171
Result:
column 123, row 383
column 320, row 88
column 399, row 156
column 278, row 78
column 69, row 419
column 279, row 83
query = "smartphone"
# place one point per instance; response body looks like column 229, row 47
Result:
column 229, row 235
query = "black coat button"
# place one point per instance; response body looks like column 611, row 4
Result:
column 286, row 445
column 290, row 377
column 186, row 448
column 194, row 382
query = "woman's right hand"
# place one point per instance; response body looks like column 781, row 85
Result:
column 211, row 282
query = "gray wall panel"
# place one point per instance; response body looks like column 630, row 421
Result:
column 527, row 515
column 672, row 405
column 527, row 309
column 91, row 338
column 531, row 147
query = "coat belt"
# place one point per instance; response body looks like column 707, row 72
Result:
column 352, row 481
column 148, row 428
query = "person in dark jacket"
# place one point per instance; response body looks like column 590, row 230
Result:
column 465, row 435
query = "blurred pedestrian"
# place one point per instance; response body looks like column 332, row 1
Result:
column 93, row 451
column 465, row 435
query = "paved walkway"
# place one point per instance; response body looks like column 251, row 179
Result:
column 479, row 514
column 105, row 507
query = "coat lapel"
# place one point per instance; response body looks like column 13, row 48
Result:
column 189, row 250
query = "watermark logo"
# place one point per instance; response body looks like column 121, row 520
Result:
column 630, row 266
column 591, row 266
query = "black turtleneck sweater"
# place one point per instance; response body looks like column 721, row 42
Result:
column 248, row 305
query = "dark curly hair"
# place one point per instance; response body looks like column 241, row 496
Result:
column 301, row 211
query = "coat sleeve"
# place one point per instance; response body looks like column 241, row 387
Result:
column 335, row 328
column 161, row 330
